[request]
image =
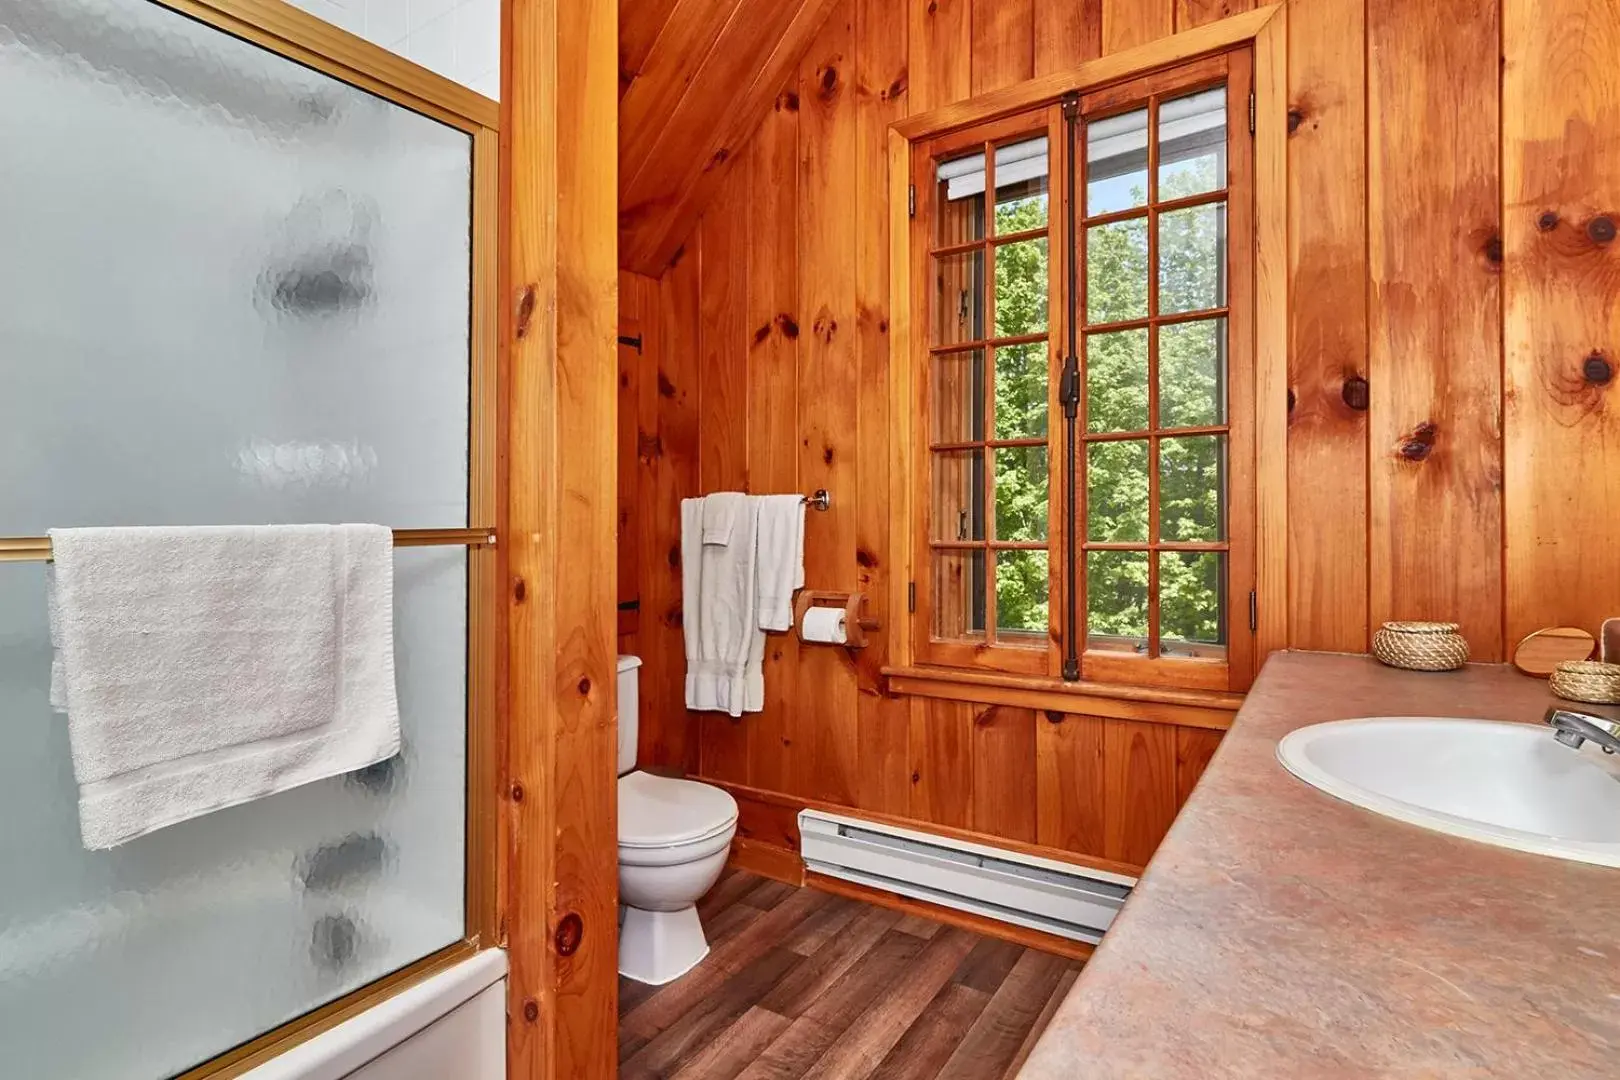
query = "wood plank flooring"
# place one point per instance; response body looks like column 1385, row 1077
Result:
column 800, row 983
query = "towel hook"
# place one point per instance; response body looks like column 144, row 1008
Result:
column 821, row 500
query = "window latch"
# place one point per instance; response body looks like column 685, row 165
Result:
column 1069, row 388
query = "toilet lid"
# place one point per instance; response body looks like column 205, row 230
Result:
column 658, row 811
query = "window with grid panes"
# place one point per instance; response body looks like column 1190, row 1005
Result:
column 1146, row 267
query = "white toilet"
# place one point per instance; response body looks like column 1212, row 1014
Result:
column 673, row 840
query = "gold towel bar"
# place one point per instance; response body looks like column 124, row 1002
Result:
column 38, row 548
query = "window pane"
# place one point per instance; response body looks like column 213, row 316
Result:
column 958, row 297
column 1022, row 171
column 1117, row 381
column 1192, row 259
column 959, row 593
column 1117, row 600
column 956, row 399
column 1192, row 482
column 1022, row 585
column 958, row 495
column 959, row 199
column 1021, row 492
column 1021, row 391
column 1192, row 374
column 1117, row 491
column 1021, row 288
column 1192, row 144
column 1191, row 603
column 1116, row 271
column 1116, row 163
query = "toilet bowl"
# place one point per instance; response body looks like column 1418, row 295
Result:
column 674, row 836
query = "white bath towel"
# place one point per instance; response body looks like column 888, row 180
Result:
column 205, row 667
column 720, row 515
column 725, row 648
column 781, row 559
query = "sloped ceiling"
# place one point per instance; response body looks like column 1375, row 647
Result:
column 695, row 77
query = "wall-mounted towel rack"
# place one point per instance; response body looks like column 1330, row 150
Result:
column 821, row 500
column 38, row 548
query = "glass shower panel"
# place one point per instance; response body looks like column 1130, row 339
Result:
column 232, row 290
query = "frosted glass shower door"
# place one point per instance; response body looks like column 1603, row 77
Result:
column 232, row 290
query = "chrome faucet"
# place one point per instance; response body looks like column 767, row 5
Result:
column 1574, row 728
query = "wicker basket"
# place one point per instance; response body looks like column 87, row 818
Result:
column 1587, row 680
column 1421, row 646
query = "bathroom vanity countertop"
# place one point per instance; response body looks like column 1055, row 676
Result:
column 1279, row 932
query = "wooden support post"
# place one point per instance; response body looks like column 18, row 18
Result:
column 559, row 327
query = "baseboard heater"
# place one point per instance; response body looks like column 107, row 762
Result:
column 1060, row 898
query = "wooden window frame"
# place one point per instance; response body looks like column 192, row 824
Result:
column 1258, row 413
column 306, row 39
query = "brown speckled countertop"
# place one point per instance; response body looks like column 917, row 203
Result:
column 1280, row 932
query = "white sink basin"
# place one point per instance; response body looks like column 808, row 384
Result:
column 1506, row 784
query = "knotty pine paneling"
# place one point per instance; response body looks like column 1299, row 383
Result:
column 1434, row 319
column 1395, row 196
column 1561, row 191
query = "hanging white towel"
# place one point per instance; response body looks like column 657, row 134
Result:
column 205, row 667
column 725, row 648
column 781, row 559
column 720, row 515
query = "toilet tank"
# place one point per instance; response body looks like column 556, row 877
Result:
column 629, row 711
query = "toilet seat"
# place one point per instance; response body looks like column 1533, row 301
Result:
column 660, row 816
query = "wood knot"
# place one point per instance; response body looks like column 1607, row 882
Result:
column 762, row 333
column 787, row 101
column 570, row 931
column 789, row 328
column 520, row 591
column 719, row 158
column 1493, row 250
column 665, row 387
column 525, row 310
column 1420, row 443
column 517, row 792
column 1296, row 117
column 1293, row 399
column 865, row 559
column 916, row 777
column 531, row 1010
column 1600, row 229
column 1597, row 370
column 895, row 89
column 584, row 686
column 1548, row 221
column 674, row 555
column 827, row 454
column 829, row 81
column 1355, row 393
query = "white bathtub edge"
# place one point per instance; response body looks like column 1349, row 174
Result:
column 335, row 1054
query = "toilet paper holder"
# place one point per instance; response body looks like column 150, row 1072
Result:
column 857, row 621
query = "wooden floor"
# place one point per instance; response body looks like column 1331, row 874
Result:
column 800, row 983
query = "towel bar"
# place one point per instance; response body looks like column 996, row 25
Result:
column 38, row 548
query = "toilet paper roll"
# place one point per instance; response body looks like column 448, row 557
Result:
column 824, row 624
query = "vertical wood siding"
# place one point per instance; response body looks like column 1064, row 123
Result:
column 1423, row 261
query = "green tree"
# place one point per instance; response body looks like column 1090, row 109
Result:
column 1191, row 394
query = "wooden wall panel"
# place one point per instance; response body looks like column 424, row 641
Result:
column 1561, row 190
column 1391, row 219
column 1327, row 331
column 941, row 46
column 827, row 737
column 1003, row 43
column 772, row 169
column 1435, row 323
column 942, row 763
column 1067, row 32
column 1191, row 13
column 881, row 97
column 1003, row 756
column 667, row 735
column 1129, row 23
